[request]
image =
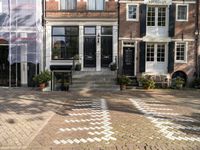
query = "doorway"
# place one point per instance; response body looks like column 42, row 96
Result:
column 90, row 47
column 129, row 61
column 4, row 66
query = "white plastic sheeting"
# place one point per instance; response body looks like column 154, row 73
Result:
column 21, row 26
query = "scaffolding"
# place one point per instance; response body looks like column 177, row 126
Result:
column 21, row 27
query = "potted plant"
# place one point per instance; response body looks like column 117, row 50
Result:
column 113, row 66
column 147, row 82
column 196, row 83
column 77, row 63
column 123, row 82
column 179, row 82
column 42, row 79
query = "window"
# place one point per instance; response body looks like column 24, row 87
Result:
column 67, row 4
column 95, row 4
column 156, row 16
column 182, row 12
column 161, row 16
column 151, row 16
column 150, row 52
column 132, row 12
column 160, row 53
column 90, row 30
column 106, row 30
column 181, row 52
column 65, row 42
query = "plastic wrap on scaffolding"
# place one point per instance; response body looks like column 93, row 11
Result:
column 20, row 25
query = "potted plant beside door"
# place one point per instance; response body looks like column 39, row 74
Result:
column 123, row 82
column 42, row 79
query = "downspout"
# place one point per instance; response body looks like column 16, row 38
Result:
column 118, row 22
column 197, row 39
column 44, row 32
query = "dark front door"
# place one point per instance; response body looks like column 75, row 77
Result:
column 90, row 51
column 4, row 66
column 129, row 61
column 106, row 51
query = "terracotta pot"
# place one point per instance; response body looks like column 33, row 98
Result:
column 42, row 86
column 122, row 87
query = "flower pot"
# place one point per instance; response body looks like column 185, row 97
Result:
column 78, row 67
column 122, row 87
column 179, row 86
column 42, row 86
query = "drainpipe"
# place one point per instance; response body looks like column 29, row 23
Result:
column 197, row 39
column 44, row 33
column 118, row 22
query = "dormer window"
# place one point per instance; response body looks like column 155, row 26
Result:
column 67, row 4
column 95, row 5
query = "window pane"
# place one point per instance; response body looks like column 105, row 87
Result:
column 151, row 16
column 58, row 31
column 62, row 4
column 91, row 4
column 1, row 9
column 182, row 12
column 180, row 51
column 90, row 31
column 106, row 30
column 132, row 10
column 161, row 16
column 161, row 53
column 99, row 4
column 150, row 52
column 71, row 4
column 65, row 42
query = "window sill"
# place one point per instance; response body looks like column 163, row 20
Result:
column 181, row 62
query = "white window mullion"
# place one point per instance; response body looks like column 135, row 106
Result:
column 155, row 53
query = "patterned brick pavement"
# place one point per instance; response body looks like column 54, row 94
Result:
column 130, row 120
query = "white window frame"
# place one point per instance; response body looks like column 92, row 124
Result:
column 156, row 16
column 187, row 5
column 127, row 12
column 185, row 52
column 155, row 45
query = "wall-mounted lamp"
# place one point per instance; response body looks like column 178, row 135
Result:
column 196, row 32
column 98, row 38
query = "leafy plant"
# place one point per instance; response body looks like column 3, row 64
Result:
column 178, row 82
column 113, row 66
column 43, row 77
column 76, row 57
column 196, row 83
column 147, row 82
column 123, row 80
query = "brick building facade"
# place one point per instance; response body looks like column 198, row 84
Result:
column 158, row 37
column 84, row 28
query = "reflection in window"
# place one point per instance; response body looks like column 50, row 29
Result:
column 65, row 42
column 182, row 12
column 61, row 81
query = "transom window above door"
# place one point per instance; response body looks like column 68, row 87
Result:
column 95, row 5
column 68, row 4
column 156, row 16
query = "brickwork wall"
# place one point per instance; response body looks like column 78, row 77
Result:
column 52, row 10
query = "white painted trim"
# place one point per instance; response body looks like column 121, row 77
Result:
column 185, row 54
column 126, row 38
column 127, row 12
column 183, row 40
column 78, row 23
column 181, row 20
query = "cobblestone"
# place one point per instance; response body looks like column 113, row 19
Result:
column 130, row 120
